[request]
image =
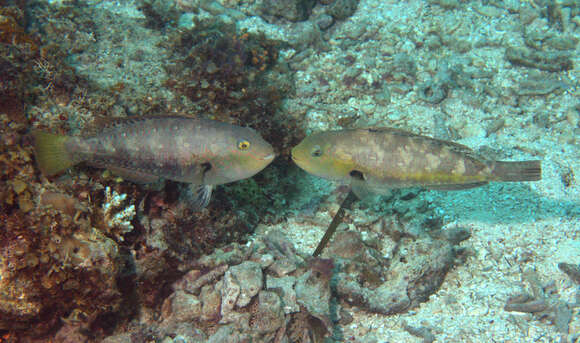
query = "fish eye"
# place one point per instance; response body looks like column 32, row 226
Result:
column 243, row 145
column 316, row 151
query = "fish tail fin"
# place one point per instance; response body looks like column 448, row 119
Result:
column 50, row 152
column 518, row 171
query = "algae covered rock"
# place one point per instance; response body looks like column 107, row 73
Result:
column 414, row 270
column 342, row 9
column 292, row 10
column 45, row 279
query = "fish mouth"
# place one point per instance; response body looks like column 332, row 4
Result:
column 300, row 163
column 269, row 157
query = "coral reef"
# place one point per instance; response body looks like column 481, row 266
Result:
column 53, row 263
column 114, row 216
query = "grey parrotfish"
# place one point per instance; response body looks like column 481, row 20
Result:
column 201, row 152
column 375, row 160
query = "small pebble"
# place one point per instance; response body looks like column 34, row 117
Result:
column 324, row 21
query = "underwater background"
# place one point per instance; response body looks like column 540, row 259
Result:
column 87, row 256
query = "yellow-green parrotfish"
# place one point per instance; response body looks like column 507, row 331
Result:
column 197, row 151
column 375, row 160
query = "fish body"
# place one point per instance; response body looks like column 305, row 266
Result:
column 197, row 151
column 376, row 160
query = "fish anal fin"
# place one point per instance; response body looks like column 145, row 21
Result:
column 132, row 175
column 456, row 187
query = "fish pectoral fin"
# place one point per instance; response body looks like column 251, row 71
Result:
column 358, row 184
column 456, row 187
column 361, row 190
column 133, row 175
column 367, row 187
column 201, row 196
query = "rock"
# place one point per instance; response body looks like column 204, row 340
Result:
column 313, row 290
column 342, row 9
column 554, row 61
column 229, row 334
column 324, row 21
column 120, row 338
column 282, row 267
column 285, row 288
column 293, row 10
column 249, row 276
column 182, row 307
column 71, row 334
column 211, row 302
column 83, row 276
column 229, row 289
column 446, row 4
column 270, row 315
column 416, row 270
column 179, row 332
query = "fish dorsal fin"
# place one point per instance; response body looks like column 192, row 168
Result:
column 452, row 145
column 101, row 122
column 392, row 130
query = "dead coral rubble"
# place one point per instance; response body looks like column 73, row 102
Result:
column 415, row 269
column 238, row 294
column 269, row 292
column 551, row 61
column 542, row 301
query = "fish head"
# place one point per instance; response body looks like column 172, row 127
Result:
column 244, row 153
column 325, row 154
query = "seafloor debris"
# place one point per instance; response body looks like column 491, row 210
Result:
column 233, row 293
column 422, row 332
column 572, row 270
column 414, row 270
column 543, row 302
column 554, row 61
column 268, row 291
